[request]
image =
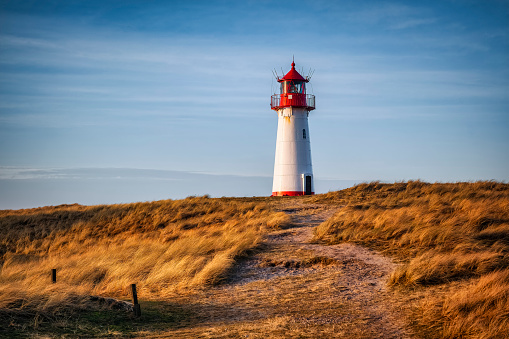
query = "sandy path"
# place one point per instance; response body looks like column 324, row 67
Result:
column 295, row 288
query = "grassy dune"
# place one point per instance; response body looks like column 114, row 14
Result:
column 453, row 241
column 163, row 247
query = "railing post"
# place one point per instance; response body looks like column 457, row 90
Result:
column 136, row 306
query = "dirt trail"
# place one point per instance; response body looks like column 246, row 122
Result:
column 295, row 288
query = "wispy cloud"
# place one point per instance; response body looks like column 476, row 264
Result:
column 392, row 16
column 33, row 187
column 24, row 187
column 183, row 85
column 28, row 173
column 403, row 24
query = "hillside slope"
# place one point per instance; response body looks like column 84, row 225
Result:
column 291, row 288
column 453, row 241
column 266, row 267
column 163, row 246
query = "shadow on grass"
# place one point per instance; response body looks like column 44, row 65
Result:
column 156, row 316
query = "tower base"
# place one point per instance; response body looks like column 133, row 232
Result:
column 289, row 193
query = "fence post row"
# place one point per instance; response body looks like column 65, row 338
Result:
column 137, row 309
column 136, row 306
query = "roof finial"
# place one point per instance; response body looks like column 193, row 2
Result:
column 293, row 61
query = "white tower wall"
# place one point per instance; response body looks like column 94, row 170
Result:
column 293, row 153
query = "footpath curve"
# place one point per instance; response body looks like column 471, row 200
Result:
column 293, row 288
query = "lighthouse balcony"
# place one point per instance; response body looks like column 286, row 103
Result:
column 292, row 100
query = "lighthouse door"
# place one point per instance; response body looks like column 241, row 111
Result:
column 308, row 185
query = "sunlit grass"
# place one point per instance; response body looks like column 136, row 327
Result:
column 452, row 241
column 163, row 247
column 443, row 233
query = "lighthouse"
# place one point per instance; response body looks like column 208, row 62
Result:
column 293, row 172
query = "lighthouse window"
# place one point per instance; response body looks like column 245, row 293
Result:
column 288, row 87
column 295, row 87
column 298, row 87
column 304, row 133
column 292, row 87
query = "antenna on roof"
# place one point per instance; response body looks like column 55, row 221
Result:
column 274, row 72
column 310, row 74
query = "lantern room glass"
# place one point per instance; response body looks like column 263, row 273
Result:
column 293, row 87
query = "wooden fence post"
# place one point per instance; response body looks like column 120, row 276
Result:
column 54, row 275
column 136, row 306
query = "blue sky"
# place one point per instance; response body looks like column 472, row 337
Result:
column 404, row 90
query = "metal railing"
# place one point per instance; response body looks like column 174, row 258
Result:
column 297, row 100
column 310, row 101
column 275, row 101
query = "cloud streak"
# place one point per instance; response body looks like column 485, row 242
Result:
column 186, row 86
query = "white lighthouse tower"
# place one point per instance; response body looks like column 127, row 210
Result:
column 293, row 172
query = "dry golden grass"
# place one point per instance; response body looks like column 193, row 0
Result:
column 163, row 247
column 443, row 233
column 452, row 241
